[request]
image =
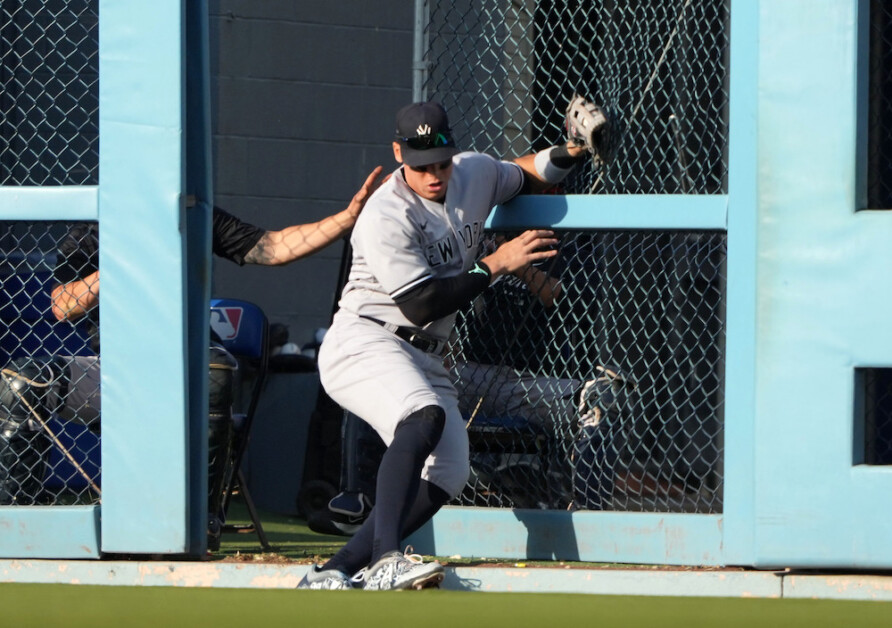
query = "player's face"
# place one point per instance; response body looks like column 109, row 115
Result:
column 428, row 181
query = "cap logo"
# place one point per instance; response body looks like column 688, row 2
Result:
column 423, row 129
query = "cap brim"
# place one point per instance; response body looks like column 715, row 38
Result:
column 412, row 157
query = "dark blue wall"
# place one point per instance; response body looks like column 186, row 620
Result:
column 304, row 95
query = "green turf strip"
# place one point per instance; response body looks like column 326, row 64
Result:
column 76, row 606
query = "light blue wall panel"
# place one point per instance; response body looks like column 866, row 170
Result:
column 49, row 203
column 628, row 211
column 49, row 532
column 822, row 308
column 144, row 399
column 740, row 314
column 623, row 537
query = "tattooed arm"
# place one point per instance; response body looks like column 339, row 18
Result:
column 281, row 247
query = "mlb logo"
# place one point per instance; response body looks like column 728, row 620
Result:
column 225, row 321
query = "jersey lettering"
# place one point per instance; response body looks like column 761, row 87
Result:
column 440, row 252
column 443, row 250
column 470, row 234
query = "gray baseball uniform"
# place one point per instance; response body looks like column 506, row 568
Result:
column 400, row 241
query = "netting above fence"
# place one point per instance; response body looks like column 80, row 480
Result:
column 49, row 92
column 611, row 397
column 505, row 72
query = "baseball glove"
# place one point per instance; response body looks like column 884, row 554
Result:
column 586, row 123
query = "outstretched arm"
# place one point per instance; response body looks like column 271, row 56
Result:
column 586, row 124
column 543, row 170
column 70, row 301
column 281, row 247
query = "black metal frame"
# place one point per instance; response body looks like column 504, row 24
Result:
column 242, row 437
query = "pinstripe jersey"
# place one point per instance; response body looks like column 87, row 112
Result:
column 401, row 239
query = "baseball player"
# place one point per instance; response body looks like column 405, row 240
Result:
column 413, row 267
column 75, row 380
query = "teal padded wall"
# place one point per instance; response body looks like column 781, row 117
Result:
column 822, row 271
column 145, row 452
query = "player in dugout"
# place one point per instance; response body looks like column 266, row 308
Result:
column 414, row 265
column 69, row 385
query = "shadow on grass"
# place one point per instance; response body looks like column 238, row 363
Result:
column 289, row 537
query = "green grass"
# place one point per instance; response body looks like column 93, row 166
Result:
column 289, row 537
column 27, row 605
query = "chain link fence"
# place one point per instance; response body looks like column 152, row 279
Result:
column 639, row 316
column 647, row 308
column 49, row 92
column 597, row 381
column 49, row 386
column 49, row 136
column 506, row 71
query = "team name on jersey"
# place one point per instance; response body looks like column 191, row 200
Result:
column 443, row 250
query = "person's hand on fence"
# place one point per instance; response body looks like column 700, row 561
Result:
column 516, row 254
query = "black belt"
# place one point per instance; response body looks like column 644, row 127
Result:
column 415, row 338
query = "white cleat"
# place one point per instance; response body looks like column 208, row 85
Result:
column 331, row 579
column 398, row 571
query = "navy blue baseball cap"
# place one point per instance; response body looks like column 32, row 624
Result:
column 422, row 129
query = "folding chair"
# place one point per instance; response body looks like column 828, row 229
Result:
column 242, row 328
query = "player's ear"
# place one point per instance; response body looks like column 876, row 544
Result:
column 397, row 152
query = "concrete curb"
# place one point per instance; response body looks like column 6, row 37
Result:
column 707, row 583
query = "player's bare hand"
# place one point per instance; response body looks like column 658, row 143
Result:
column 530, row 246
column 372, row 183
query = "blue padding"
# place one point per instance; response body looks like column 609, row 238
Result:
column 239, row 325
column 148, row 481
column 48, row 202
column 58, row 532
